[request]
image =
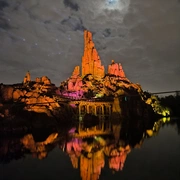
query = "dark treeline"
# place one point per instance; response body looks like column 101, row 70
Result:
column 173, row 102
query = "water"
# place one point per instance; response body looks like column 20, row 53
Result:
column 153, row 156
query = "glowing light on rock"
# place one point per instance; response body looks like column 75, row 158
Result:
column 166, row 119
column 149, row 132
column 166, row 112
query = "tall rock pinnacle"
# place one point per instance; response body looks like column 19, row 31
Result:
column 91, row 63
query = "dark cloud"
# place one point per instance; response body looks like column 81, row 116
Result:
column 3, row 4
column 14, row 39
column 107, row 32
column 64, row 21
column 73, row 23
column 17, row 5
column 31, row 15
column 79, row 26
column 100, row 45
column 69, row 3
column 4, row 23
column 47, row 21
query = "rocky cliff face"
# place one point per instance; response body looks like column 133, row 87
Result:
column 33, row 96
column 116, row 69
column 93, row 82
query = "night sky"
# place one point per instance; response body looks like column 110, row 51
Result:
column 46, row 38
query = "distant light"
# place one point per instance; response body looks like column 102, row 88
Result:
column 116, row 5
column 112, row 1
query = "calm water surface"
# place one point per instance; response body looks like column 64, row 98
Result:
column 153, row 154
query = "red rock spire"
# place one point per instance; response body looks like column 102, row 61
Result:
column 91, row 63
column 116, row 69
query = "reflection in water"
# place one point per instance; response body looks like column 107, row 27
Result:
column 87, row 147
column 37, row 149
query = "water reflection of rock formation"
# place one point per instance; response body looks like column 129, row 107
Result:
column 38, row 149
column 88, row 153
column 14, row 148
column 91, row 153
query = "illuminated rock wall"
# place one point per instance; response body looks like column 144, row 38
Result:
column 116, row 69
column 91, row 63
column 27, row 78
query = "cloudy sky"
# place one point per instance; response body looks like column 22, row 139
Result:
column 46, row 38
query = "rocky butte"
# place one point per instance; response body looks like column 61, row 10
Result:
column 93, row 78
column 90, row 82
column 89, row 90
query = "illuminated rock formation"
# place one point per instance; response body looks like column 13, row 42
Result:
column 116, row 105
column 34, row 96
column 45, row 80
column 17, row 94
column 38, row 80
column 93, row 78
column 156, row 105
column 76, row 71
column 91, row 63
column 116, row 69
column 75, row 81
column 27, row 78
column 93, row 83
